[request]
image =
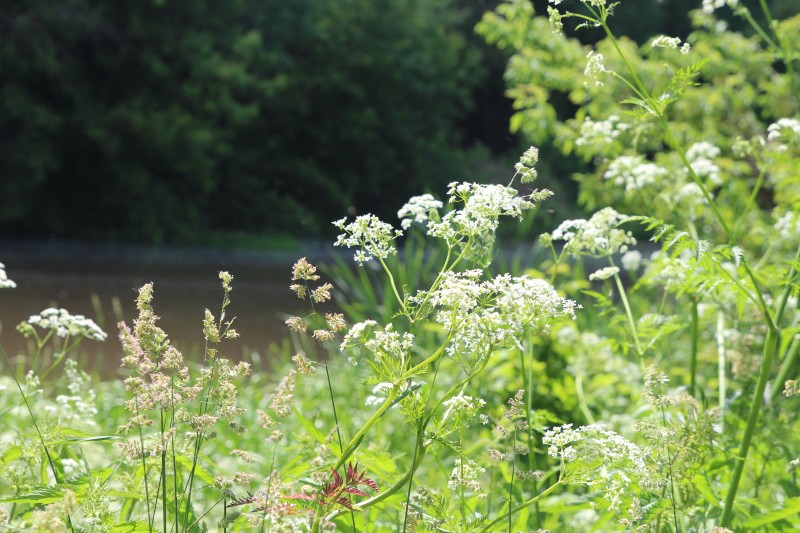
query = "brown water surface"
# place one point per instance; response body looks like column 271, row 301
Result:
column 101, row 282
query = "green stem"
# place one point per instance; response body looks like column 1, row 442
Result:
column 694, row 332
column 788, row 363
column 721, row 366
column 356, row 440
column 521, row 506
column 394, row 286
column 770, row 347
column 628, row 313
column 36, row 427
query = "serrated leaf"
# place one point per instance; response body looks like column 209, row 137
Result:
column 136, row 526
column 42, row 496
column 790, row 509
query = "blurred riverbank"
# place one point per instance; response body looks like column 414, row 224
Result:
column 101, row 282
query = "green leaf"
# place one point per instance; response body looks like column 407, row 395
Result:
column 131, row 527
column 309, row 427
column 43, row 495
column 83, row 439
column 790, row 509
column 199, row 470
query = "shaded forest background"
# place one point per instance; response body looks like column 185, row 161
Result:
column 191, row 121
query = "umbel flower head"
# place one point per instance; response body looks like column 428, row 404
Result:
column 371, row 235
column 600, row 236
column 63, row 324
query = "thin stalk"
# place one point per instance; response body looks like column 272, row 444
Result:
column 461, row 473
column 356, row 440
column 521, row 506
column 513, row 472
column 628, row 313
column 528, row 416
column 751, row 201
column 770, row 347
column 418, row 445
column 144, row 469
column 673, row 501
column 163, row 477
column 36, row 427
column 777, row 46
column 338, row 431
column 722, row 364
column 695, row 334
column 788, row 363
column 394, row 286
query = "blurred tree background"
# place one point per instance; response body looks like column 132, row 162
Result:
column 168, row 121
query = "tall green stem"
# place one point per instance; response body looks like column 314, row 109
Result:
column 36, row 427
column 521, row 506
column 694, row 332
column 628, row 313
column 770, row 347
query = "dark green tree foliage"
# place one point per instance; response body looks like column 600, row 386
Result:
column 159, row 120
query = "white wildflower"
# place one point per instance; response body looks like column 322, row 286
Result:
column 788, row 225
column 465, row 474
column 367, row 232
column 462, row 408
column 594, row 67
column 701, row 156
column 709, row 6
column 663, row 41
column 598, row 237
column 633, row 172
column 5, row 283
column 494, row 312
column 63, row 324
column 685, row 48
column 604, row 273
column 783, row 130
column 418, row 209
column 601, row 132
column 632, row 260
column 612, row 457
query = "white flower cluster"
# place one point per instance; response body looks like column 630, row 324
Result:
column 604, row 273
column 5, row 283
column 784, row 130
column 701, row 156
column 465, row 474
column 485, row 314
column 369, row 233
column 612, row 455
column 601, row 132
column 788, row 225
column 384, row 344
column 63, row 324
column 663, row 41
column 633, row 172
column 709, row 6
column 418, row 209
column 595, row 67
column 599, row 236
column 632, row 260
column 483, row 205
column 462, row 409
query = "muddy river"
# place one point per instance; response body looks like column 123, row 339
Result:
column 101, row 282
